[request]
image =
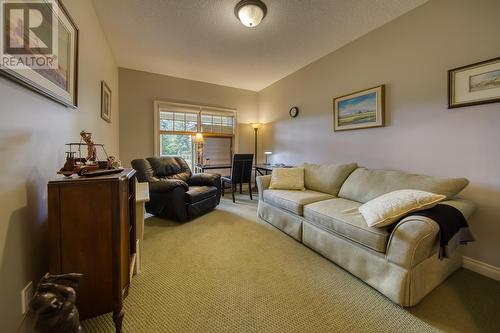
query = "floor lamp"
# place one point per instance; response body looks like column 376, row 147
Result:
column 255, row 127
column 199, row 140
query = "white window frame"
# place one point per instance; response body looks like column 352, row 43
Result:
column 174, row 106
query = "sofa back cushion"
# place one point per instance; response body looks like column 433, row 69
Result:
column 326, row 178
column 364, row 184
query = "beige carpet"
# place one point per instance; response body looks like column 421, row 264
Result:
column 230, row 272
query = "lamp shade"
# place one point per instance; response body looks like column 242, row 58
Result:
column 250, row 12
column 268, row 153
column 198, row 138
column 255, row 125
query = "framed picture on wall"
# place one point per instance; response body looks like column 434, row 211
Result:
column 105, row 102
column 362, row 109
column 47, row 61
column 474, row 84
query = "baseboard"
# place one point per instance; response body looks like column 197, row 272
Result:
column 482, row 268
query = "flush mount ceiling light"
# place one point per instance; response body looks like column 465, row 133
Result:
column 250, row 12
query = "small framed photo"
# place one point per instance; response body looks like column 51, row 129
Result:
column 474, row 84
column 105, row 102
column 362, row 109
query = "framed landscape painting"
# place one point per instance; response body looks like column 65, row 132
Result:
column 39, row 48
column 362, row 109
column 474, row 84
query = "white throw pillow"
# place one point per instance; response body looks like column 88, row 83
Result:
column 390, row 207
column 287, row 179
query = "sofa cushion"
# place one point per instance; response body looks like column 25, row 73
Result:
column 199, row 193
column 287, row 179
column 293, row 201
column 341, row 216
column 326, row 178
column 364, row 185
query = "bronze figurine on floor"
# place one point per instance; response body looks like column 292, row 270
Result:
column 54, row 304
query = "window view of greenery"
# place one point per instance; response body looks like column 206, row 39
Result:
column 177, row 145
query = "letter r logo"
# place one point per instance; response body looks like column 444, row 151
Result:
column 27, row 27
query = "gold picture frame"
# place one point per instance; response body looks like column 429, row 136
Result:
column 361, row 109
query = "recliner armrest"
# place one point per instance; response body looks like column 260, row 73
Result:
column 144, row 170
column 205, row 179
column 167, row 185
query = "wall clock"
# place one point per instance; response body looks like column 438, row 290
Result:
column 294, row 112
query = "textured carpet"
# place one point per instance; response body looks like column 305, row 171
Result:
column 229, row 272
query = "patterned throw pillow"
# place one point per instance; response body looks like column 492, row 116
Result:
column 390, row 207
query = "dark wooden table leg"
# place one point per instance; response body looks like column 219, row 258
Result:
column 118, row 320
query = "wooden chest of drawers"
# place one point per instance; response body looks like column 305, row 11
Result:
column 92, row 231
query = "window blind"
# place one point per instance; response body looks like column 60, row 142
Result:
column 218, row 150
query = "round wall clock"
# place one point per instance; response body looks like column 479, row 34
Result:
column 294, row 112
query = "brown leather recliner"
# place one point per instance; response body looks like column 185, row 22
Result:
column 174, row 191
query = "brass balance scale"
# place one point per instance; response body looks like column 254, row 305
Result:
column 88, row 166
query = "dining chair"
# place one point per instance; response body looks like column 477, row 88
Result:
column 241, row 172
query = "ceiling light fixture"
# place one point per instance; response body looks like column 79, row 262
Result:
column 250, row 12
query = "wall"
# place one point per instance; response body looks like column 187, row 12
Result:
column 138, row 91
column 411, row 55
column 33, row 131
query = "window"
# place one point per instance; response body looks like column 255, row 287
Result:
column 176, row 124
column 213, row 123
column 178, row 121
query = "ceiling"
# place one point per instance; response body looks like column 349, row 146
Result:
column 203, row 40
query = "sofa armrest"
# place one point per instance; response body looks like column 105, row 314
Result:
column 167, row 185
column 412, row 241
column 415, row 238
column 263, row 183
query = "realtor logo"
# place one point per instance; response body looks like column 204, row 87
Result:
column 29, row 34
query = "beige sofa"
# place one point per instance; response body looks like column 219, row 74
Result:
column 403, row 264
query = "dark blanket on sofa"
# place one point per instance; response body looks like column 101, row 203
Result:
column 453, row 227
